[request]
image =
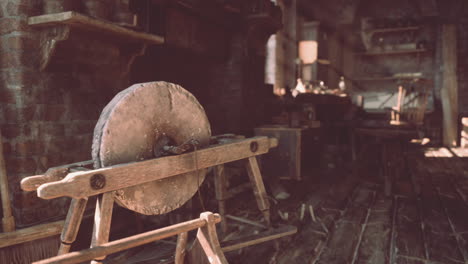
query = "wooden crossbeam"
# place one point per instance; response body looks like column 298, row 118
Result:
column 88, row 183
column 133, row 241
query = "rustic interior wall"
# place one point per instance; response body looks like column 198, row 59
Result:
column 46, row 117
column 286, row 47
column 462, row 37
column 225, row 86
column 221, row 60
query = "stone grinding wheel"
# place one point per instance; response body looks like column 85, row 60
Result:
column 135, row 125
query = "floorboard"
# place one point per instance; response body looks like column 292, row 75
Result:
column 353, row 222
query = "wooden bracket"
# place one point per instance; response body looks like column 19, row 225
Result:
column 81, row 32
column 49, row 40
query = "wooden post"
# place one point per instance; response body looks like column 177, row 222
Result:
column 335, row 55
column 181, row 248
column 449, row 92
column 102, row 221
column 259, row 189
column 8, row 221
column 72, row 224
column 221, row 195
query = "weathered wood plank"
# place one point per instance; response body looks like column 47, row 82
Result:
column 463, row 240
column 359, row 205
column 297, row 253
column 31, row 233
column 339, row 250
column 259, row 238
column 409, row 260
column 457, row 212
column 92, row 24
column 342, row 243
column 381, row 210
column 77, row 184
column 375, row 243
column 443, row 248
column 338, row 195
column 409, row 237
column 441, row 245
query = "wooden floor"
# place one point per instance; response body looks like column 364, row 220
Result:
column 355, row 223
column 352, row 221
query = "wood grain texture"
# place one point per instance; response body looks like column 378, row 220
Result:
column 221, row 194
column 72, row 224
column 207, row 241
column 31, row 183
column 31, row 233
column 8, row 221
column 449, row 91
column 259, row 188
column 135, row 125
column 409, row 236
column 102, row 221
column 84, row 22
column 77, row 184
column 259, row 238
column 128, row 242
column 181, row 248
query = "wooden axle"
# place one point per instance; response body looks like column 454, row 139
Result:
column 88, row 183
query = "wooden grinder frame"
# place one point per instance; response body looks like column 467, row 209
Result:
column 79, row 183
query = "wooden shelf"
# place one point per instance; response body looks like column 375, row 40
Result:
column 376, row 79
column 393, row 52
column 390, row 30
column 392, row 78
column 83, row 22
column 401, row 80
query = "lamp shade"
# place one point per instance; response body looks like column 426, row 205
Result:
column 308, row 51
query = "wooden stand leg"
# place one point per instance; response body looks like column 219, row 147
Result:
column 102, row 221
column 72, row 224
column 206, row 248
column 181, row 248
column 221, row 195
column 259, row 188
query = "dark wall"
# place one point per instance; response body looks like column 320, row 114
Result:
column 463, row 62
column 47, row 116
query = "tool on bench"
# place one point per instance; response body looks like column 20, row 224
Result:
column 134, row 132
